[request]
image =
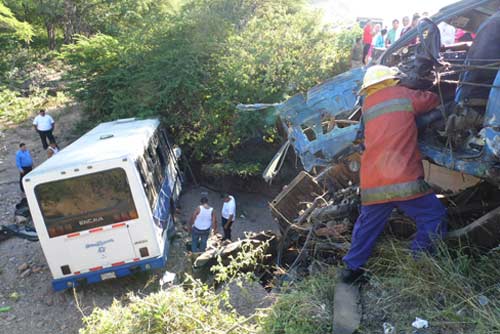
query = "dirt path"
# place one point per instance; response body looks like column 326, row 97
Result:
column 35, row 308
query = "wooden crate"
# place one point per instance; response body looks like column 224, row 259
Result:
column 287, row 206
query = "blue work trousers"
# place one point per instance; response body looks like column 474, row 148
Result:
column 199, row 240
column 427, row 211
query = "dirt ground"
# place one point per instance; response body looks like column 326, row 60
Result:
column 26, row 280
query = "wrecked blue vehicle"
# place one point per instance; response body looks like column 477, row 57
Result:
column 460, row 140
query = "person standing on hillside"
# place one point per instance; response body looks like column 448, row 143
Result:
column 228, row 215
column 44, row 125
column 414, row 22
column 202, row 220
column 367, row 40
column 357, row 54
column 392, row 174
column 24, row 163
column 380, row 39
column 392, row 35
column 406, row 26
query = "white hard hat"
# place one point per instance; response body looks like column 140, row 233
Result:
column 376, row 74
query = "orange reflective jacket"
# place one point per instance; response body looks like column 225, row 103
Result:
column 391, row 166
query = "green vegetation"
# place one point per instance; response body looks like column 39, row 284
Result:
column 303, row 308
column 195, row 308
column 198, row 62
column 456, row 291
column 192, row 307
column 24, row 83
column 189, row 62
column 175, row 310
column 10, row 24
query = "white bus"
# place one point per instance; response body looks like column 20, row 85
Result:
column 103, row 207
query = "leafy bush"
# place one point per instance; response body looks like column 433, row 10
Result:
column 15, row 108
column 242, row 170
column 21, row 30
column 194, row 65
column 176, row 310
column 193, row 307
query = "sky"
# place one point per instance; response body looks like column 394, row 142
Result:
column 348, row 10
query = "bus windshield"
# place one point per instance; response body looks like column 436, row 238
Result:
column 85, row 202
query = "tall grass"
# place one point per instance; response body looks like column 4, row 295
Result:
column 457, row 290
column 196, row 309
column 304, row 308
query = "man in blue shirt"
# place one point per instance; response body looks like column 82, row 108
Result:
column 24, row 163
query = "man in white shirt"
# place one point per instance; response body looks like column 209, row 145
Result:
column 44, row 125
column 202, row 220
column 228, row 215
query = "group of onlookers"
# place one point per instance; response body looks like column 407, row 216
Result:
column 374, row 36
column 377, row 38
column 44, row 124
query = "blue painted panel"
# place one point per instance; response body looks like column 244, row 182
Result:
column 304, row 115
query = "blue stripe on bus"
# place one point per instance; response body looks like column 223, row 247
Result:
column 120, row 271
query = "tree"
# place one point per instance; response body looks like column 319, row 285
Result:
column 9, row 23
column 193, row 66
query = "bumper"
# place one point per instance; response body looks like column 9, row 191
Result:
column 119, row 271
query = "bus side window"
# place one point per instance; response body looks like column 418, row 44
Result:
column 167, row 151
column 161, row 153
column 172, row 168
column 153, row 171
column 145, row 184
column 154, row 165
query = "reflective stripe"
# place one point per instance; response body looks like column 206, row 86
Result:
column 392, row 105
column 394, row 191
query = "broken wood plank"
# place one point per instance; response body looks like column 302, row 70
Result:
column 346, row 312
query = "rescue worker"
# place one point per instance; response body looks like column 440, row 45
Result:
column 392, row 174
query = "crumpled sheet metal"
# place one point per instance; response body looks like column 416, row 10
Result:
column 303, row 115
column 336, row 98
column 486, row 164
column 492, row 119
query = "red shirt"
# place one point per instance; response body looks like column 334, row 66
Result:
column 391, row 166
column 367, row 34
